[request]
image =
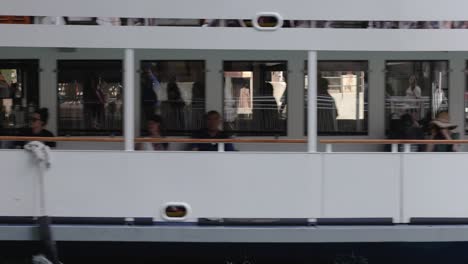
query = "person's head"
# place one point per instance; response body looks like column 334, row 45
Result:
column 155, row 125
column 213, row 120
column 198, row 90
column 322, row 85
column 442, row 121
column 412, row 81
column 268, row 89
column 173, row 92
column 39, row 119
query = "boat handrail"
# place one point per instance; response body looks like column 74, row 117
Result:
column 234, row 140
column 152, row 140
column 391, row 141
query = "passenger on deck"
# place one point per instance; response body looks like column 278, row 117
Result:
column 442, row 129
column 267, row 109
column 149, row 97
column 212, row 131
column 155, row 130
column 38, row 122
column 410, row 129
column 173, row 109
column 326, row 111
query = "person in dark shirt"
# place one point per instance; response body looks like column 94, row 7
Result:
column 38, row 122
column 212, row 131
column 410, row 129
column 149, row 97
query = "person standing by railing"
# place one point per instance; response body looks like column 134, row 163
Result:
column 212, row 131
column 38, row 122
column 442, row 129
column 150, row 87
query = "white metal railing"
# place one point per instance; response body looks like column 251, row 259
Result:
column 382, row 10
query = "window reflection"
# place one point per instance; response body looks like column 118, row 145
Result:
column 415, row 88
column 19, row 93
column 175, row 90
column 90, row 98
column 466, row 100
column 255, row 97
column 341, row 97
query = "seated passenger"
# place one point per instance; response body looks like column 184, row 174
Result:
column 38, row 122
column 155, row 128
column 212, row 131
column 410, row 129
column 441, row 129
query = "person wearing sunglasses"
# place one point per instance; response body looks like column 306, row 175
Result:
column 37, row 128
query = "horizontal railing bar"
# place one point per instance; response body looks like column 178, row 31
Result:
column 231, row 140
column 63, row 139
column 413, row 10
column 391, row 141
column 152, row 140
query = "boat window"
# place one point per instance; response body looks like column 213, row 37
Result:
column 415, row 88
column 90, row 99
column 255, row 97
column 466, row 100
column 342, row 98
column 19, row 93
column 174, row 90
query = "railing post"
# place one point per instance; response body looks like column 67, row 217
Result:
column 129, row 102
column 220, row 147
column 312, row 101
column 394, row 148
column 328, row 148
column 407, row 147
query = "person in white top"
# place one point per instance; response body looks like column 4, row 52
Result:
column 413, row 94
column 413, row 91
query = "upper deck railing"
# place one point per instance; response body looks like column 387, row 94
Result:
column 178, row 37
column 327, row 142
column 396, row 10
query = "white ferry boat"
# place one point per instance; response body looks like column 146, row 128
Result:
column 337, row 171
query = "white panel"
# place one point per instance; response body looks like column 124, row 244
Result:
column 435, row 185
column 361, row 185
column 213, row 184
column 228, row 38
column 18, row 184
column 298, row 9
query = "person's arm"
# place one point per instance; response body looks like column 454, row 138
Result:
column 417, row 92
column 430, row 147
column 138, row 146
column 51, row 144
column 154, row 81
column 448, row 136
column 195, row 146
column 229, row 147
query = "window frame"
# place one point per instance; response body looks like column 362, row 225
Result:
column 176, row 133
column 366, row 104
column 81, row 63
column 255, row 133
